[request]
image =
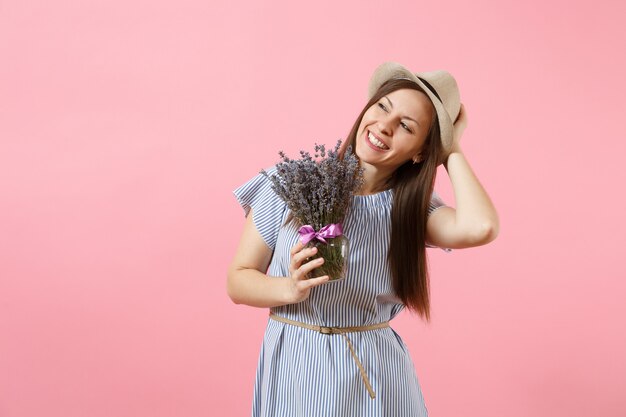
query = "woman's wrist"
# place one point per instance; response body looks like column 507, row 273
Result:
column 286, row 291
column 451, row 155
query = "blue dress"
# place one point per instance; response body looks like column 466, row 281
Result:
column 304, row 373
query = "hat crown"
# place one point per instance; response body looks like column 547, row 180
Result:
column 443, row 84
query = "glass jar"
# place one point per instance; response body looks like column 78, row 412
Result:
column 335, row 253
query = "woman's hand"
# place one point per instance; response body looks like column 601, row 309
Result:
column 458, row 128
column 299, row 285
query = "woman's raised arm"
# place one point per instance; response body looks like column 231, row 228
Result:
column 474, row 221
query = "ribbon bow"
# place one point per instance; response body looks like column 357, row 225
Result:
column 308, row 233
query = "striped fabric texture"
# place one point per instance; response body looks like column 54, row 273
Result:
column 304, row 373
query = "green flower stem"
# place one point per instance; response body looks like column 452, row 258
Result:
column 334, row 262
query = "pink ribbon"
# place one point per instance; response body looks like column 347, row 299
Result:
column 308, row 233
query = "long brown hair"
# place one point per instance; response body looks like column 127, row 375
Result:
column 413, row 185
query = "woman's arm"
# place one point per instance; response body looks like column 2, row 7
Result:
column 248, row 284
column 474, row 221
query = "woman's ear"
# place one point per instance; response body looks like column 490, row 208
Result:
column 417, row 158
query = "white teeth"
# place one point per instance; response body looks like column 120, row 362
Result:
column 375, row 141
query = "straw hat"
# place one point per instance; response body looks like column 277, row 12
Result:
column 440, row 87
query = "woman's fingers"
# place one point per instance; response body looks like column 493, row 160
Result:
column 313, row 282
column 305, row 268
column 303, row 255
column 296, row 248
column 299, row 256
column 299, row 269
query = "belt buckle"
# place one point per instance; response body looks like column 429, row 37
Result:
column 326, row 330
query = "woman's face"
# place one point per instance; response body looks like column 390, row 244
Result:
column 394, row 129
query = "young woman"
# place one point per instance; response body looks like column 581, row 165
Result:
column 328, row 349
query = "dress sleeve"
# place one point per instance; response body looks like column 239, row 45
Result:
column 268, row 208
column 436, row 202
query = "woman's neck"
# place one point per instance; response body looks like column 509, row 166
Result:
column 375, row 180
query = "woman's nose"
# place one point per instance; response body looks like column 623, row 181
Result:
column 384, row 125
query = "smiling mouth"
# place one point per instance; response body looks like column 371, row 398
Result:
column 372, row 139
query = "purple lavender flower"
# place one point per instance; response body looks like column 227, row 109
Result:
column 318, row 190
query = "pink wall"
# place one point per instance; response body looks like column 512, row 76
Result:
column 124, row 126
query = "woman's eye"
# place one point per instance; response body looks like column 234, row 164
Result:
column 382, row 106
column 405, row 127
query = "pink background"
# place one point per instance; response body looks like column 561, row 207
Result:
column 124, row 127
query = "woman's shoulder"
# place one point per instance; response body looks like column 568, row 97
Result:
column 268, row 209
column 258, row 191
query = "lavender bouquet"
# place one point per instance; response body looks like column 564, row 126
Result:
column 318, row 190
